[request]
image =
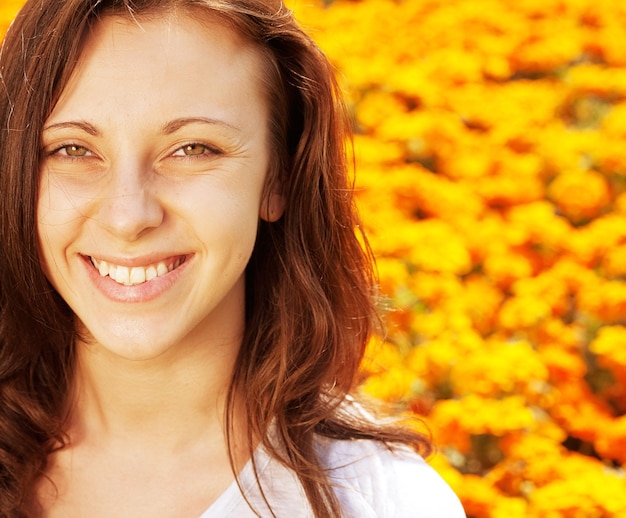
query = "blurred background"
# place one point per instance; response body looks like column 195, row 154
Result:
column 491, row 176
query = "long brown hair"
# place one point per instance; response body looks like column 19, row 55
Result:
column 310, row 284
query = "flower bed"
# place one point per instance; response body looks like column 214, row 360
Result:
column 491, row 153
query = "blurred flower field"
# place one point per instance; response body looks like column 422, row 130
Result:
column 491, row 155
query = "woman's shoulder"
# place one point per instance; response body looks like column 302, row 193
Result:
column 373, row 480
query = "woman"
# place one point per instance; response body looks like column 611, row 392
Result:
column 179, row 336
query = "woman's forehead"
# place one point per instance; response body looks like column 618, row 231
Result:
column 168, row 60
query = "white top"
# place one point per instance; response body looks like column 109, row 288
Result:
column 370, row 482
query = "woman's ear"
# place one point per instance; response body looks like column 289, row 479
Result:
column 272, row 207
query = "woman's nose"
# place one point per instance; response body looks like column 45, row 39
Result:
column 130, row 205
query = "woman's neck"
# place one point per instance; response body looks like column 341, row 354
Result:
column 150, row 431
column 169, row 400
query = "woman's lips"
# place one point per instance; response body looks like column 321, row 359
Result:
column 133, row 275
column 136, row 283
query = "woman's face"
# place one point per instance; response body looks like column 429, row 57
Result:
column 154, row 164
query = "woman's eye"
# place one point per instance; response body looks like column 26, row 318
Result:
column 74, row 151
column 193, row 150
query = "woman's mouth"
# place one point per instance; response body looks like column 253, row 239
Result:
column 133, row 275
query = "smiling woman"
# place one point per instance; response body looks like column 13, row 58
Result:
column 170, row 183
column 181, row 335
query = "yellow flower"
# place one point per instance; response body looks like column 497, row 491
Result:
column 604, row 300
column 563, row 366
column 580, row 195
column 375, row 152
column 479, row 497
column 505, row 267
column 614, row 262
column 538, row 225
column 591, row 493
column 589, row 243
column 506, row 190
column 611, row 444
column 420, row 192
column 477, row 415
column 608, row 345
column 376, row 107
column 482, row 300
column 599, row 80
column 393, row 385
column 580, row 412
column 392, row 274
column 437, row 247
column 552, row 43
column 499, row 369
column 8, row 10
column 563, row 148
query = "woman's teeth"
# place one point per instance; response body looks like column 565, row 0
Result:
column 130, row 276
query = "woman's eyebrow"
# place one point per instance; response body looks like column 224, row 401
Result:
column 82, row 125
column 167, row 129
column 176, row 124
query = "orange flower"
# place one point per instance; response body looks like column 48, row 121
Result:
column 614, row 262
column 580, row 195
column 8, row 10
